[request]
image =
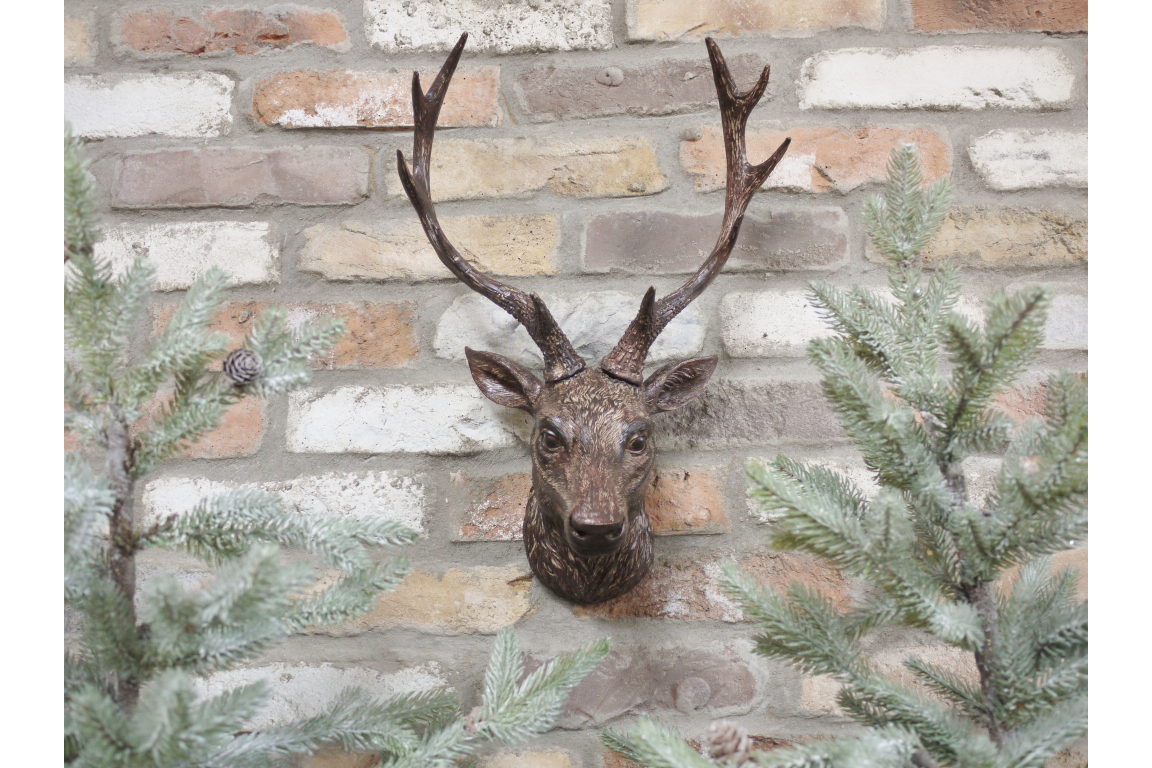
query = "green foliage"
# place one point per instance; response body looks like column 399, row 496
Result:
column 913, row 383
column 130, row 693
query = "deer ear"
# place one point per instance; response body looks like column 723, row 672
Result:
column 677, row 384
column 503, row 381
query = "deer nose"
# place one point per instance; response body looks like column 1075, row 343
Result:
column 587, row 531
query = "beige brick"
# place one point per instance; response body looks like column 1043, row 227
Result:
column 461, row 601
column 1001, row 16
column 595, row 167
column 156, row 31
column 686, row 589
column 235, row 177
column 818, row 696
column 956, row 661
column 1076, row 559
column 679, row 502
column 671, row 19
column 1007, row 238
column 526, row 759
column 820, row 159
column 79, row 44
column 399, row 250
column 331, row 758
column 348, row 99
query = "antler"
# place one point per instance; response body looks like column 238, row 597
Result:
column 560, row 358
column 626, row 361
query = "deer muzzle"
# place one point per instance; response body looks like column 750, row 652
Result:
column 592, row 531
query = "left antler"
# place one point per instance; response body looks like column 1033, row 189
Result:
column 626, row 361
column 560, row 357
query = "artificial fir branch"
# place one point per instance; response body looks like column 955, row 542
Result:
column 935, row 558
column 130, row 699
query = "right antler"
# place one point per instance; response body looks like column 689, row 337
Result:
column 626, row 361
column 560, row 358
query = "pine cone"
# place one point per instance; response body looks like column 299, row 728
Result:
column 242, row 366
column 729, row 741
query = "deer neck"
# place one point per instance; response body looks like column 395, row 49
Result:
column 585, row 579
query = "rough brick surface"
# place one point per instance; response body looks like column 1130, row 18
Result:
column 671, row 19
column 237, row 177
column 679, row 502
column 821, row 159
column 1001, row 16
column 399, row 250
column 239, row 434
column 1067, row 323
column 686, row 589
column 226, row 30
column 303, row 690
column 377, row 334
column 1007, row 238
column 734, row 413
column 593, row 322
column 79, row 43
column 186, row 104
column 437, row 420
column 247, row 251
column 666, row 87
column 461, row 601
column 529, row 759
column 962, row 78
column 643, row 680
column 1009, row 160
column 390, row 495
column 668, row 243
column 769, row 324
column 602, row 167
column 506, row 27
column 347, row 99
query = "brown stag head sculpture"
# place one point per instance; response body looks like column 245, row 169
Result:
column 586, row 533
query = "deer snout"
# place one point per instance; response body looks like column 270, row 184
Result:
column 596, row 534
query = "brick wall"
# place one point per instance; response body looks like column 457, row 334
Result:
column 579, row 155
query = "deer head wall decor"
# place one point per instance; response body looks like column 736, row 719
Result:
column 586, row 533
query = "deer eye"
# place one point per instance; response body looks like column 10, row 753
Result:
column 637, row 443
column 550, row 441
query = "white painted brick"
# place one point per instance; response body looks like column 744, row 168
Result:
column 1067, row 323
column 769, row 324
column 354, row 494
column 304, row 690
column 936, row 77
column 442, row 419
column 594, row 322
column 186, row 104
column 1011, row 160
column 511, row 26
column 182, row 252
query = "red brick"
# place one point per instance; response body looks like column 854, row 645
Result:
column 372, row 99
column 820, row 159
column 679, row 502
column 1026, row 401
column 223, row 30
column 238, row 177
column 239, row 434
column 378, row 334
column 687, row 589
column 1000, row 16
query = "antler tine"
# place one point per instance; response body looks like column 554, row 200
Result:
column 626, row 361
column 560, row 358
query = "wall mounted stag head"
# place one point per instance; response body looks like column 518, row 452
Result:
column 586, row 533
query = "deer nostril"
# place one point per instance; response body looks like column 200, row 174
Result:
column 609, row 531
